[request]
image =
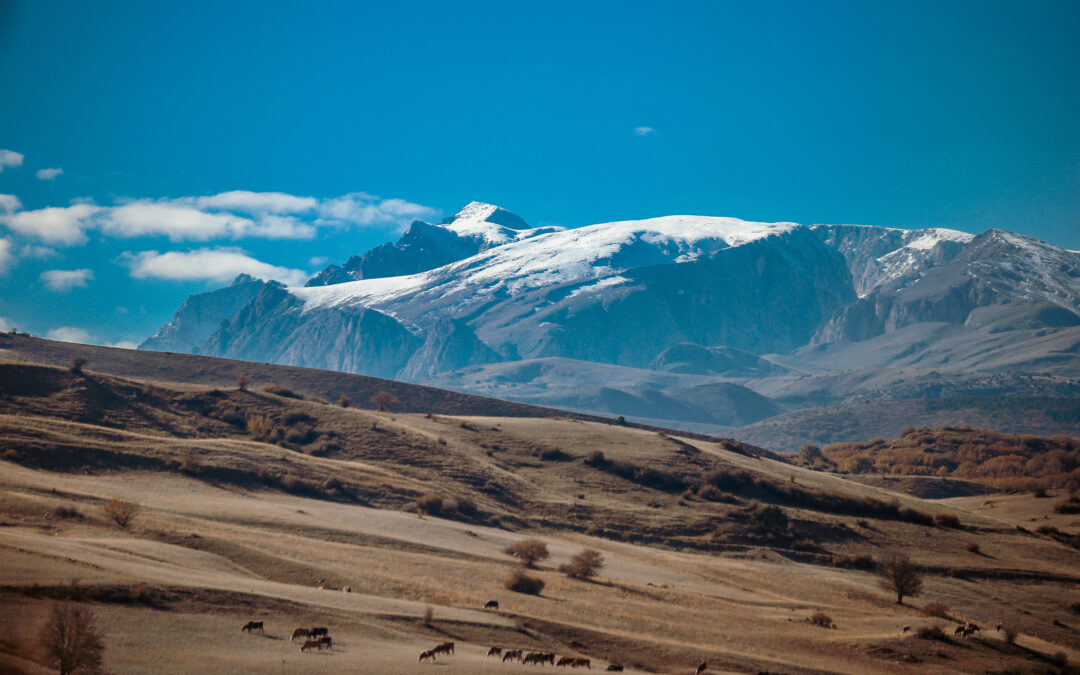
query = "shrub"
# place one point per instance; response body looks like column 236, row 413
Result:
column 597, row 460
column 243, row 382
column 900, row 575
column 440, row 440
column 1059, row 659
column 947, row 520
column 1068, row 506
column 278, row 390
column 553, row 454
column 931, row 633
column 584, row 565
column 66, row 512
column 71, row 639
column 822, row 619
column 859, row 561
column 1075, row 608
column 520, row 582
column 344, row 401
column 301, row 434
column 430, row 504
column 530, row 551
column 973, row 547
column 429, row 615
column 807, row 545
column 260, row 427
column 384, row 400
column 76, row 365
column 1039, row 492
column 937, row 609
column 121, row 511
column 770, row 519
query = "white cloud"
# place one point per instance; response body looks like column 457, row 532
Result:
column 7, row 259
column 65, row 280
column 124, row 344
column 360, row 208
column 54, row 224
column 39, row 252
column 643, row 131
column 9, row 203
column 257, row 202
column 209, row 264
column 5, row 324
column 49, row 174
column 10, row 159
column 230, row 215
column 69, row 334
column 318, row 261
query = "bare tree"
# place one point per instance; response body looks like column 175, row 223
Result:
column 584, row 565
column 529, row 550
column 344, row 401
column 77, row 364
column 900, row 575
column 242, row 382
column 71, row 639
column 121, row 511
column 384, row 400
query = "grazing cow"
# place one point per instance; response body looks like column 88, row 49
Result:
column 1000, row 626
column 547, row 658
column 346, row 589
column 614, row 668
column 444, row 648
column 906, row 629
column 512, row 654
column 252, row 625
column 300, row 633
column 326, row 642
column 319, row 632
column 566, row 661
column 974, row 627
column 425, row 656
column 495, row 651
column 702, row 667
column 534, row 657
column 579, row 662
column 959, row 631
column 311, row 644
column 491, row 604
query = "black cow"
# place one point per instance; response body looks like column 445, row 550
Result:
column 253, row 625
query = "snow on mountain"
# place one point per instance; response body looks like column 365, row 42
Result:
column 492, row 224
column 590, row 252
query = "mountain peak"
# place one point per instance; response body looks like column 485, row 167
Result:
column 481, row 212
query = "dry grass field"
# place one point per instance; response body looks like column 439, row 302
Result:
column 258, row 506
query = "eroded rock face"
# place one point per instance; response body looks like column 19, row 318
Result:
column 200, row 316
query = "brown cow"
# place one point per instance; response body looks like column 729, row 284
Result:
column 444, row 648
column 579, row 662
column 495, row 651
column 534, row 657
column 311, row 644
column 300, row 633
column 512, row 654
column 702, row 667
column 425, row 656
column 614, row 668
column 566, row 661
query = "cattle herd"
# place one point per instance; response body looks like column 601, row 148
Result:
column 318, row 638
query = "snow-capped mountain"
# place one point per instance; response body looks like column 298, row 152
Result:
column 723, row 299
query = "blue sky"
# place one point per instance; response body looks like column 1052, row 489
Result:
column 363, row 116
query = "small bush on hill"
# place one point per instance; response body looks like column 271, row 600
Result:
column 520, row 582
column 301, row 434
column 121, row 511
column 430, row 504
column 937, row 609
column 947, row 520
column 1068, row 506
column 553, row 454
column 770, row 519
column 243, row 382
column 859, row 561
column 344, row 401
column 1011, row 629
column 384, row 400
column 278, row 390
column 822, row 619
column 261, row 428
column 77, row 364
column 530, row 551
column 973, row 547
column 931, row 633
column 584, row 565
column 68, row 512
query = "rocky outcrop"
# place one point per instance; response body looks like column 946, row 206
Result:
column 201, row 315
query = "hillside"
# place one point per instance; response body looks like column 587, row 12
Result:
column 1006, row 460
column 258, row 505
